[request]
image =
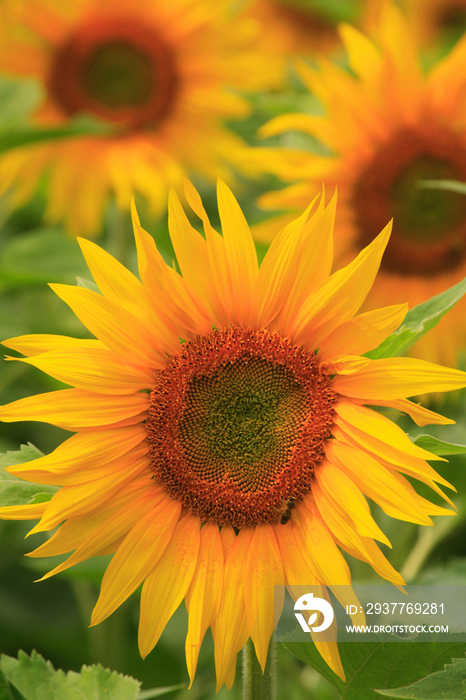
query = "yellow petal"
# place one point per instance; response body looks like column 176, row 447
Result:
column 363, row 333
column 82, row 456
column 112, row 530
column 94, row 369
column 363, row 56
column 218, row 260
column 344, row 495
column 82, row 498
column 27, row 512
column 420, row 415
column 166, row 289
column 398, row 377
column 192, row 257
column 317, row 543
column 315, row 263
column 380, row 428
column 136, row 557
column 31, row 345
column 167, row 584
column 339, row 298
column 230, row 627
column 263, row 569
column 241, row 255
column 76, row 409
column 394, row 497
column 119, row 330
column 74, row 532
column 204, row 594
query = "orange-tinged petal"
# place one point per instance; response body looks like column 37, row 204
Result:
column 379, row 427
column 230, row 627
column 112, row 530
column 393, row 496
column 31, row 345
column 82, row 498
column 344, row 496
column 318, row 544
column 277, row 273
column 363, row 56
column 339, row 298
column 136, row 557
column 336, row 522
column 167, row 584
column 420, row 415
column 204, row 594
column 377, row 560
column 315, row 263
column 192, row 256
column 76, row 409
column 218, row 260
column 27, row 512
column 118, row 329
column 398, row 377
column 388, row 455
column 94, row 369
column 74, row 532
column 165, row 288
column 296, row 567
column 241, row 254
column 263, row 570
column 345, row 364
column 363, row 333
column 82, row 455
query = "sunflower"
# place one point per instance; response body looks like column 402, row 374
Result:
column 209, row 399
column 388, row 126
column 161, row 76
column 434, row 19
column 294, row 26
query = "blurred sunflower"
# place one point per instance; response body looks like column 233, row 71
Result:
column 432, row 20
column 164, row 76
column 294, row 26
column 210, row 398
column 388, row 126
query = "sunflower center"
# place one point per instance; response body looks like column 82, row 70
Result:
column 429, row 228
column 116, row 68
column 237, row 425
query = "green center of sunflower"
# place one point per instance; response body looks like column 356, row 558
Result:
column 117, row 68
column 237, row 425
column 117, row 75
column 429, row 227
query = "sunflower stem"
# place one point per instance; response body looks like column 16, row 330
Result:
column 258, row 685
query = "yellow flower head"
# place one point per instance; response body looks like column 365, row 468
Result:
column 162, row 75
column 208, row 400
column 388, row 126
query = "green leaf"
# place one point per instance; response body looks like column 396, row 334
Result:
column 448, row 185
column 417, row 322
column 449, row 684
column 7, row 690
column 157, row 692
column 438, row 447
column 82, row 126
column 17, row 100
column 16, row 492
column 380, row 664
column 39, row 257
column 37, row 679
